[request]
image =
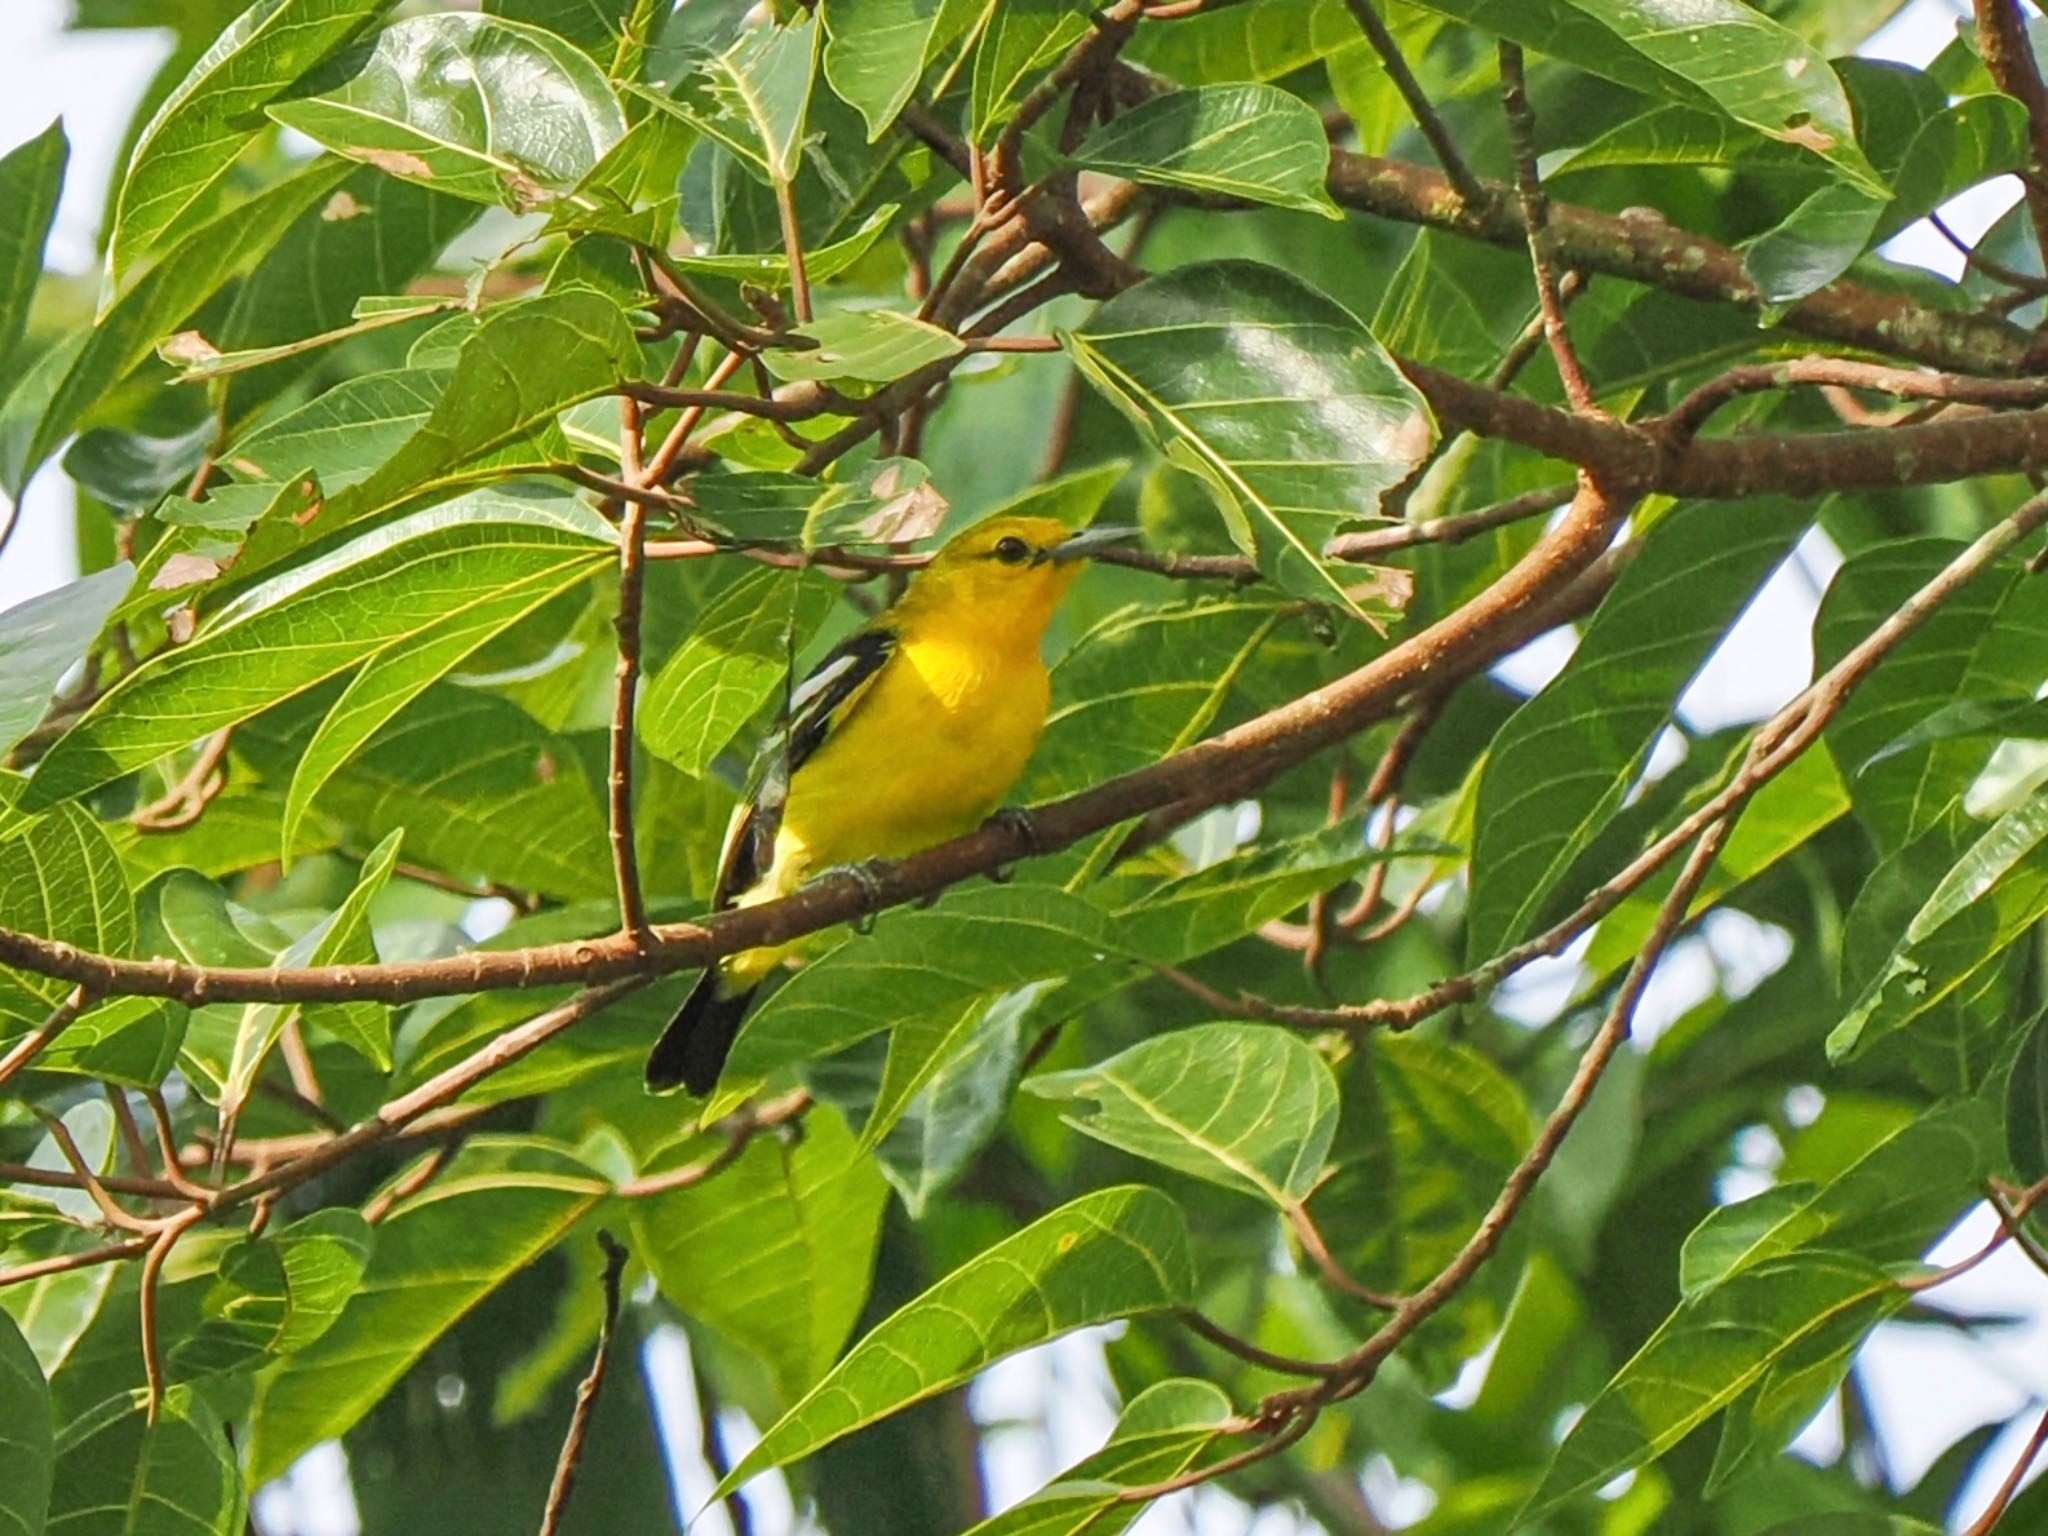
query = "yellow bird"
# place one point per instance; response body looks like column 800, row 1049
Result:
column 907, row 734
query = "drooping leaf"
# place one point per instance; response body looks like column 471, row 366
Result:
column 1115, row 1253
column 276, row 1294
column 187, row 275
column 119, row 1474
column 472, row 105
column 1561, row 766
column 1256, row 142
column 27, row 1435
column 501, row 1203
column 975, row 943
column 732, row 665
column 203, row 126
column 43, row 638
column 1160, row 1434
column 287, row 634
column 31, row 177
column 1249, row 1106
column 1277, row 399
column 774, row 1252
column 1709, row 1351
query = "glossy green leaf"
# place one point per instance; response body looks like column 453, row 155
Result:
column 753, row 97
column 203, row 126
column 1709, row 1351
column 1115, row 1253
column 471, row 105
column 770, row 269
column 878, row 345
column 876, row 50
column 1019, row 39
column 27, row 1435
column 44, row 638
column 186, row 276
column 1252, row 1107
column 1255, row 142
column 1258, row 40
column 1562, row 765
column 975, row 943
column 589, row 347
column 1719, row 54
column 289, row 633
column 499, row 1205
column 735, row 661
column 119, row 1474
column 774, row 1252
column 406, row 667
column 60, row 879
column 275, row 1294
column 31, row 177
column 1161, row 1433
column 1274, row 396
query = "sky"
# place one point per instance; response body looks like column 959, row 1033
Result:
column 1927, row 1389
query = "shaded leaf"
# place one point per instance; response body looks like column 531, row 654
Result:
column 118, row 1474
column 31, row 177
column 1256, row 142
column 27, row 1435
column 1115, row 1253
column 43, row 638
column 1249, row 1106
column 275, row 1294
column 1274, row 396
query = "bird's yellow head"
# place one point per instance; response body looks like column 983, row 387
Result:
column 1005, row 575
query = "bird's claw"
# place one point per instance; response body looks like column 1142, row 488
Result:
column 1019, row 822
column 868, row 874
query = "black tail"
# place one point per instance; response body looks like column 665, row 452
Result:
column 692, row 1050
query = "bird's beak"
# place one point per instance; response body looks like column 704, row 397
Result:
column 1088, row 541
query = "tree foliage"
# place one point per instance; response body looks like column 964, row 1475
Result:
column 482, row 411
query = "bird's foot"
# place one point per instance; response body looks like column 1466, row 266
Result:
column 868, row 874
column 1019, row 823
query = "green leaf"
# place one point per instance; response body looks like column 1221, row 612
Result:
column 61, row 880
column 119, row 1474
column 495, row 397
column 1707, row 1353
column 1249, row 1106
column 343, row 938
column 27, row 1435
column 1994, row 893
column 1887, row 1207
column 770, row 269
column 339, row 437
column 1115, row 1253
column 1562, row 765
column 1161, row 1433
column 774, row 1253
column 1261, row 40
column 876, row 50
column 189, row 274
column 497, row 1207
column 133, row 1041
column 1274, row 396
column 205, row 123
column 1020, row 38
column 31, row 177
column 276, row 1294
column 1719, row 54
column 43, row 638
column 736, row 659
column 292, row 631
column 1255, row 142
column 752, row 98
column 472, row 105
column 396, row 675
column 975, row 943
column 878, row 345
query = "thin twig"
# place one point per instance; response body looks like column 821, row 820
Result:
column 1536, row 214
column 567, row 1464
column 152, row 1268
column 1244, row 1349
column 625, row 681
column 1456, row 171
column 1685, row 419
column 33, row 1044
column 186, row 801
column 2001, row 1501
column 64, row 1263
column 1310, row 1237
column 739, row 1129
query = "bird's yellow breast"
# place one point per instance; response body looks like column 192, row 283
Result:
column 926, row 756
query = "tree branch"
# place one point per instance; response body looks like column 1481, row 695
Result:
column 571, row 1458
column 1535, row 205
column 1456, row 171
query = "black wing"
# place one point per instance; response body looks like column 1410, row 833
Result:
column 816, row 706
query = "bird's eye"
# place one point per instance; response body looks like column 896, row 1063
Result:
column 1012, row 550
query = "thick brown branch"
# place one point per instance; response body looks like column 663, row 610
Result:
column 2009, row 60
